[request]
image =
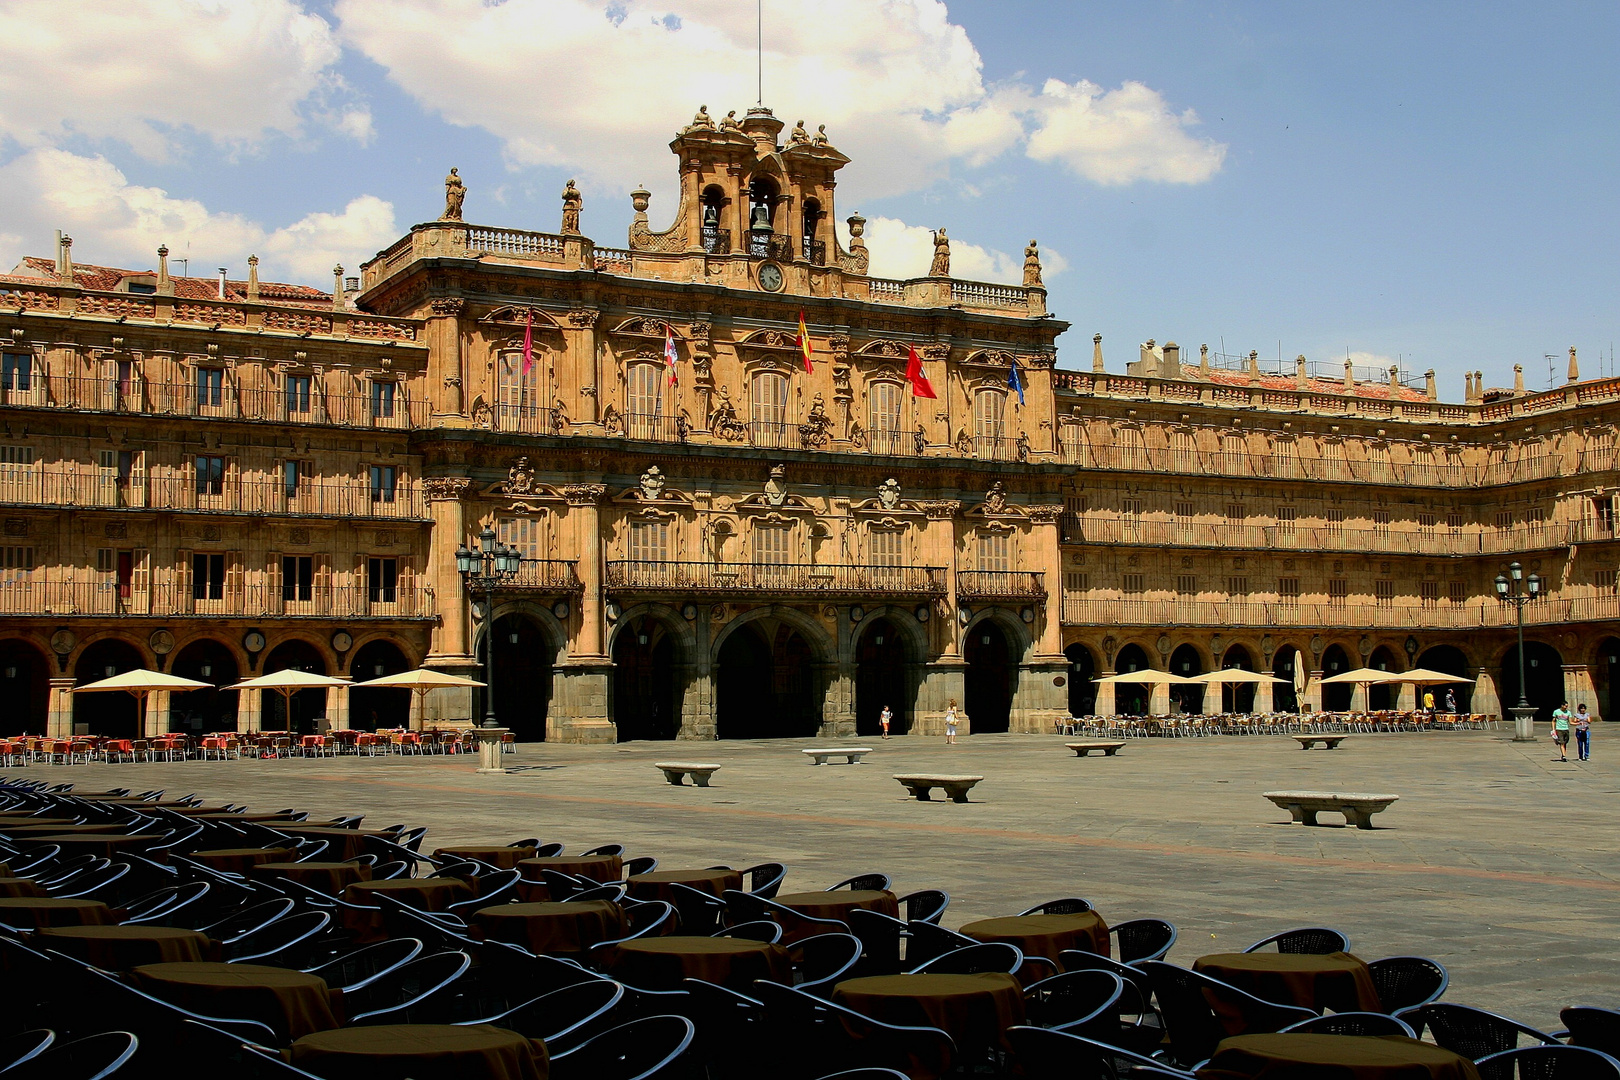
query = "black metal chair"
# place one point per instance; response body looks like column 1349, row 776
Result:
column 284, row 942
column 880, row 938
column 866, row 1074
column 1593, row 1028
column 603, row 850
column 1317, row 940
column 864, row 883
column 1405, row 982
column 560, row 886
column 23, row 1046
column 749, row 907
column 925, row 941
column 89, row 1058
column 353, row 970
column 643, row 920
column 765, row 879
column 232, row 927
column 759, row 930
column 549, row 851
column 1186, row 1003
column 700, row 912
column 563, row 1017
column 495, row 889
column 162, row 904
column 612, row 893
column 1044, row 1054
column 390, row 998
column 975, row 959
column 1549, row 1063
column 638, row 1050
column 731, row 1034
column 1068, row 905
column 646, row 864
column 1473, row 1033
column 830, row 1038
column 819, row 962
column 925, row 905
column 1352, row 1023
column 1142, row 939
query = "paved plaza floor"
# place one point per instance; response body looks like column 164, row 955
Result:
column 1498, row 861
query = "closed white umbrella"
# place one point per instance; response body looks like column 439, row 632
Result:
column 141, row 682
column 1300, row 675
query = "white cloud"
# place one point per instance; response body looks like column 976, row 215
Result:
column 601, row 87
column 905, row 251
column 1373, row 360
column 142, row 71
column 120, row 223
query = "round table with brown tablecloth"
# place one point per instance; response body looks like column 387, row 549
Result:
column 328, row 877
column 123, row 948
column 102, row 845
column 501, row 858
column 29, row 819
column 30, row 912
column 1337, row 981
column 292, row 1003
column 342, row 843
column 974, row 1010
column 1337, row 1057
column 656, row 884
column 1045, row 935
column 552, row 927
column 421, row 1052
column 239, row 860
column 429, row 894
column 275, row 821
column 840, row 902
column 74, row 829
column 660, row 963
column 21, row 886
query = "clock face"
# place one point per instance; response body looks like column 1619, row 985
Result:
column 770, row 277
column 341, row 641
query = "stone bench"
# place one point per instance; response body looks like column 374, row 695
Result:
column 957, row 787
column 1357, row 808
column 675, row 771
column 851, row 754
column 1330, row 741
column 1109, row 747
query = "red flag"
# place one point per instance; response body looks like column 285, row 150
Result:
column 670, row 356
column 914, row 372
column 804, row 345
column 528, row 343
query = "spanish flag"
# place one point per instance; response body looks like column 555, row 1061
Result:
column 804, row 345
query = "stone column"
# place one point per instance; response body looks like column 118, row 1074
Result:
column 450, row 648
column 1159, row 701
column 59, row 716
column 446, row 389
column 249, row 711
column 1578, row 686
column 337, row 708
column 581, row 714
column 1104, row 705
column 1263, row 699
column 838, row 708
column 586, row 517
column 1358, row 697
column 1313, row 691
column 583, row 347
column 1485, row 700
column 1407, row 697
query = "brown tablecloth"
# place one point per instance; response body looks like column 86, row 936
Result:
column 329, row 877
column 1334, row 1057
column 656, row 884
column 29, row 819
column 239, row 860
column 421, row 1052
column 602, row 868
column 840, row 902
column 1337, row 981
column 431, row 894
column 20, row 886
column 660, row 963
column 30, row 912
column 123, row 948
column 552, row 928
column 1045, row 935
column 291, row 1002
column 275, row 821
column 972, row 1009
column 103, row 845
column 345, row 843
column 76, row 830
column 501, row 858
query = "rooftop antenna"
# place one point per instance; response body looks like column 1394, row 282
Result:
column 1551, row 358
column 759, row 48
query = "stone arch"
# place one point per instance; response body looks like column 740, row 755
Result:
column 1453, row 660
column 1604, row 666
column 1385, row 657
column 525, row 671
column 1019, row 637
column 1543, row 677
column 1239, row 697
column 1133, row 699
column 297, row 714
column 887, row 650
column 1284, row 698
column 653, row 648
column 206, row 659
column 25, row 682
column 114, row 714
column 771, row 675
column 814, row 633
column 990, row 683
column 1188, row 660
column 1083, row 669
column 1336, row 660
column 904, row 620
column 370, row 709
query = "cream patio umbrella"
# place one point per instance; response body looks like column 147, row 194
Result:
column 423, row 681
column 288, row 682
column 1429, row 677
column 1363, row 678
column 141, row 682
column 1234, row 677
column 1147, row 677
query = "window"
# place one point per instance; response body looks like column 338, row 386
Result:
column 1233, row 453
column 384, row 483
column 17, row 564
column 1504, row 519
column 382, row 399
column 518, row 394
column 1338, row 589
column 1454, row 521
column 210, row 387
column 1288, row 591
column 207, row 576
column 1234, row 513
column 522, row 533
column 210, row 474
column 295, row 475
column 649, row 541
column 1131, row 508
column 1381, row 522
column 995, row 552
column 125, row 375
column 1184, row 513
column 140, row 288
column 1457, row 591
column 768, row 403
column 1335, row 521
column 646, row 401
column 1429, row 593
column 298, row 393
column 1603, row 579
column 16, row 455
column 382, row 580
column 1535, row 515
column 1186, row 585
column 885, row 399
column 1131, row 584
column 1282, row 457
column 1384, row 592
column 117, row 465
column 1285, row 520
column 16, row 371
column 1076, row 581
column 771, row 545
column 297, row 577
column 989, row 423
column 1237, row 588
column 886, row 547
column 1427, row 520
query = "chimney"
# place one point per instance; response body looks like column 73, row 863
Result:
column 1254, row 367
column 1479, row 386
column 165, row 283
column 1349, row 375
column 1170, row 366
column 1301, row 380
column 1431, row 389
column 253, row 279
column 1394, row 379
column 67, row 260
column 1574, row 368
column 1203, row 360
column 222, row 273
column 1518, row 380
column 1096, row 354
column 58, row 252
column 337, row 287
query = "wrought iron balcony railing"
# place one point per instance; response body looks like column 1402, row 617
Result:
column 38, row 593
column 1000, row 585
column 775, row 579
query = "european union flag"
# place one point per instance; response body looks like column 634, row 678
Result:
column 1016, row 382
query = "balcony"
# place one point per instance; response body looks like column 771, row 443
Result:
column 771, row 435
column 995, row 448
column 39, row 593
column 716, row 241
column 1001, row 585
column 528, row 420
column 657, row 427
column 185, row 399
column 50, row 486
column 775, row 580
column 894, row 443
column 765, row 244
column 1420, row 540
column 1407, row 613
column 546, row 575
column 815, row 252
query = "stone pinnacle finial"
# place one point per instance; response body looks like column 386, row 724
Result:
column 1096, row 354
column 1574, row 368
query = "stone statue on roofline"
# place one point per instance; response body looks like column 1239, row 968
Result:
column 572, row 200
column 1032, row 264
column 702, row 119
column 730, row 122
column 941, row 266
column 455, row 193
column 820, row 137
column 799, row 136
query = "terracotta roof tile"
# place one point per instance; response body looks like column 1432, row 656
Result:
column 107, row 279
column 1223, row 377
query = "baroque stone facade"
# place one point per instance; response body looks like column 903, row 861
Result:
column 247, row 476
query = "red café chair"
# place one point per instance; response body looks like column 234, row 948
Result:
column 311, row 745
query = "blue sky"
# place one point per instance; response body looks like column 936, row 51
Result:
column 1430, row 182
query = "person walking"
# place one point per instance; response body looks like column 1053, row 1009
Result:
column 1561, row 729
column 950, row 723
column 1451, row 701
column 1582, row 723
column 884, row 719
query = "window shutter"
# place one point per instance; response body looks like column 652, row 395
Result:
column 183, row 602
column 235, row 583
column 273, row 602
column 323, row 584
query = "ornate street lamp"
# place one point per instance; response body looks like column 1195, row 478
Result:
column 484, row 566
column 1514, row 588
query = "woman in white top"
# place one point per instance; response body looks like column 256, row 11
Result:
column 884, row 719
column 950, row 722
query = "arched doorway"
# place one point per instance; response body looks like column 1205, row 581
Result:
column 988, row 684
column 646, row 692
column 524, row 656
column 1543, row 678
column 1452, row 661
column 1237, row 697
column 306, row 705
column 1383, row 695
column 766, row 683
column 1283, row 696
column 1131, row 699
column 1186, row 662
column 115, row 715
column 25, row 682
column 381, row 708
column 883, row 676
column 1605, row 669
column 1335, row 696
column 204, row 710
column 1082, row 690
